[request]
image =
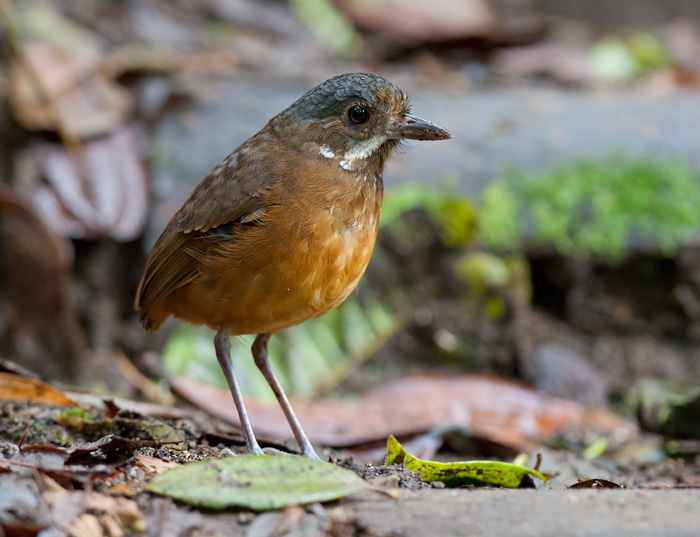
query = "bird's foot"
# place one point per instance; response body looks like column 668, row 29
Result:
column 305, row 453
column 311, row 454
column 274, row 451
column 227, row 452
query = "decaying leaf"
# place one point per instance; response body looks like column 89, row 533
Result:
column 76, row 464
column 111, row 444
column 47, row 81
column 24, row 389
column 455, row 474
column 49, row 461
column 411, row 22
column 500, row 410
column 257, row 482
column 596, row 484
column 154, row 464
column 90, row 513
column 99, row 192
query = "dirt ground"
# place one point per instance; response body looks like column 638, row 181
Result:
column 661, row 500
column 477, row 513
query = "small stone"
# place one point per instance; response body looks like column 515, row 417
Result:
column 386, row 481
column 245, row 518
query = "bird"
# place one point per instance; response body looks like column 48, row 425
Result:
column 282, row 230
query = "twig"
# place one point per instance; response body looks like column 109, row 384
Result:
column 137, row 379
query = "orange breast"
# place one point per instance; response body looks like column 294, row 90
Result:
column 302, row 259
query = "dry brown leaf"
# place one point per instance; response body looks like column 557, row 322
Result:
column 122, row 489
column 93, row 514
column 24, row 389
column 409, row 21
column 108, row 444
column 154, row 464
column 102, row 192
column 85, row 526
column 503, row 411
column 88, row 103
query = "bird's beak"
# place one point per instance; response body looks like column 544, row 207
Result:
column 414, row 128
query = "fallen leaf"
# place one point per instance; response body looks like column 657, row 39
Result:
column 100, row 192
column 596, row 484
column 456, row 474
column 111, row 444
column 24, row 389
column 49, row 462
column 101, row 514
column 50, row 81
column 500, row 410
column 410, row 22
column 22, row 511
column 122, row 489
column 257, row 482
column 55, row 461
column 154, row 464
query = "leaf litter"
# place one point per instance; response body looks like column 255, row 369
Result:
column 257, row 482
column 500, row 410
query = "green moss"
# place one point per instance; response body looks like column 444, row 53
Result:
column 492, row 283
column 498, row 221
column 77, row 413
column 584, row 207
column 453, row 214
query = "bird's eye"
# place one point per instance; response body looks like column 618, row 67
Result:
column 358, row 115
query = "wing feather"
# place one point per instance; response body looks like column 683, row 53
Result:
column 236, row 189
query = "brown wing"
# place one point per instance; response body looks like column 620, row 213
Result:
column 232, row 192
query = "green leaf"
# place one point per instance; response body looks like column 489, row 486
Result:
column 256, row 482
column 455, row 474
column 597, row 448
column 395, row 453
column 584, row 207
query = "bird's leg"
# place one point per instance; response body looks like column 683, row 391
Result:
column 261, row 360
column 223, row 355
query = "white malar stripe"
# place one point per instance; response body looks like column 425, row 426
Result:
column 346, row 165
column 326, row 151
column 365, row 149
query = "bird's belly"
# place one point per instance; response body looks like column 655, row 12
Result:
column 283, row 279
column 318, row 280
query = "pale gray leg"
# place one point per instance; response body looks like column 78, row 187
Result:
column 223, row 355
column 261, row 360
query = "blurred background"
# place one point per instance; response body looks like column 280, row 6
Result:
column 554, row 241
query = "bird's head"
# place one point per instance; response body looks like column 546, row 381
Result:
column 357, row 119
